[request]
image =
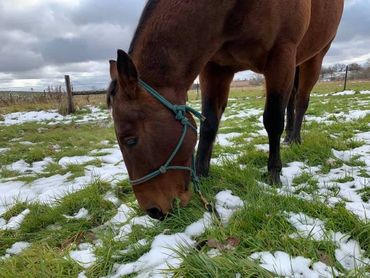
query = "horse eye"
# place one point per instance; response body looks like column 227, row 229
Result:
column 130, row 141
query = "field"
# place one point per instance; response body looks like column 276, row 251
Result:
column 67, row 210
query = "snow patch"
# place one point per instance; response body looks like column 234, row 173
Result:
column 283, row 264
column 14, row 222
column 81, row 214
column 85, row 256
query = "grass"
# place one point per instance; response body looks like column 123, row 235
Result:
column 261, row 224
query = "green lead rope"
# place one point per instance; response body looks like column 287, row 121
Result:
column 180, row 115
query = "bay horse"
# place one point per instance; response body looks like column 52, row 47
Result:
column 177, row 40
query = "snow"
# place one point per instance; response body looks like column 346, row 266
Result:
column 224, row 140
column 247, row 113
column 293, row 170
column 25, row 168
column 224, row 158
column 144, row 221
column 306, row 226
column 81, row 214
column 327, row 118
column 32, row 116
column 262, row 147
column 163, row 253
column 283, row 264
column 110, row 197
column 330, row 191
column 17, row 248
column 85, row 256
column 348, row 252
column 345, row 93
column 198, row 228
column 53, row 117
column 14, row 222
column 65, row 161
column 4, row 150
column 49, row 189
column 122, row 215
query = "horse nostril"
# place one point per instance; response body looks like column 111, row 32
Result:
column 155, row 213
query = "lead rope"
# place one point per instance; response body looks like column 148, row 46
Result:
column 180, row 115
column 196, row 185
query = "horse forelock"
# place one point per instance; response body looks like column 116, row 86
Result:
column 111, row 91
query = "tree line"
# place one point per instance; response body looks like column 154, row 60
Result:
column 337, row 71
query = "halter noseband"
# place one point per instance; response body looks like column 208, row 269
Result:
column 180, row 115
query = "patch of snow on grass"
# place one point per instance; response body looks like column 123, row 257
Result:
column 345, row 93
column 224, row 139
column 224, row 158
column 65, row 161
column 248, row 113
column 144, row 221
column 51, row 188
column 14, row 222
column 227, row 204
column 25, row 168
column 81, row 214
column 32, row 116
column 293, row 170
column 4, row 150
column 348, row 252
column 53, row 117
column 306, row 226
column 163, row 253
column 328, row 118
column 262, row 147
column 123, row 214
column 285, row 265
column 85, row 256
column 17, row 248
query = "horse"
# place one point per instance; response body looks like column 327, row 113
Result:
column 177, row 40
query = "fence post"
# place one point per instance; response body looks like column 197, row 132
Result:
column 345, row 79
column 70, row 106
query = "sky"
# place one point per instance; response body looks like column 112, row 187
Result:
column 42, row 40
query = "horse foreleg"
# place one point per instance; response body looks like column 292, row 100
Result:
column 279, row 74
column 215, row 85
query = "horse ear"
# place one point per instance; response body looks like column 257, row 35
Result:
column 126, row 73
column 113, row 69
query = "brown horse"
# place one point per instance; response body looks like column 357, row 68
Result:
column 175, row 41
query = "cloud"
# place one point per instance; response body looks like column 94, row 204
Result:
column 41, row 40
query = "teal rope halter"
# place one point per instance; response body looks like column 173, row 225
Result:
column 180, row 115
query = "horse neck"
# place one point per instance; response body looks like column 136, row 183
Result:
column 168, row 53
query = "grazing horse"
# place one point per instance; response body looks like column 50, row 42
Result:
column 177, row 40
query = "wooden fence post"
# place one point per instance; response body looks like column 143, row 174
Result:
column 70, row 106
column 345, row 79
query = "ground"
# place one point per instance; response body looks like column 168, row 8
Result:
column 67, row 210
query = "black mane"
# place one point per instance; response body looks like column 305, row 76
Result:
column 147, row 12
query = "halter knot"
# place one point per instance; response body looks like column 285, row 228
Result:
column 162, row 169
column 180, row 111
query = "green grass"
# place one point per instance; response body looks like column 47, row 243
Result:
column 261, row 224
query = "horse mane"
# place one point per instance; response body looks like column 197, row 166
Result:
column 147, row 12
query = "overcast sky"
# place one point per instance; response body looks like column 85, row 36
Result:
column 41, row 40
